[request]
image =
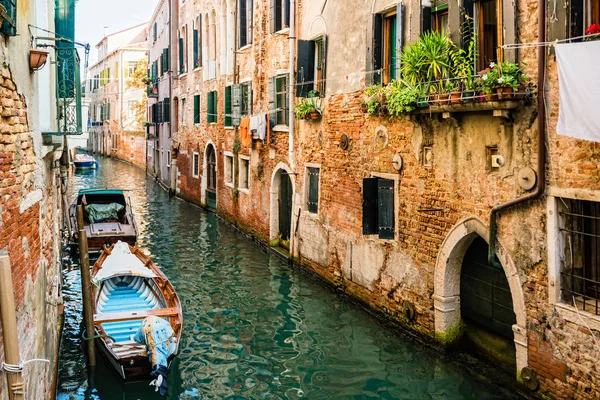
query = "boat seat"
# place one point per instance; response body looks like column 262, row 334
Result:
column 138, row 314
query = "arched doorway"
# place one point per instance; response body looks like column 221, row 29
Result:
column 282, row 191
column 486, row 306
column 463, row 249
column 211, row 177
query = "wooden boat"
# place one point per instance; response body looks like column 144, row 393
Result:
column 107, row 218
column 128, row 287
column 84, row 161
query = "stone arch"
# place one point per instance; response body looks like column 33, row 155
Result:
column 447, row 285
column 204, row 181
column 274, row 198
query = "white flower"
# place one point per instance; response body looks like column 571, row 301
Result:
column 492, row 64
column 500, row 80
column 484, row 77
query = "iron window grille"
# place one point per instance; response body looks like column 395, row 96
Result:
column 580, row 272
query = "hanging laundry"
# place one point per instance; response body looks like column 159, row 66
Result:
column 262, row 127
column 245, row 135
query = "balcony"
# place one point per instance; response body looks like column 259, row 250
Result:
column 68, row 93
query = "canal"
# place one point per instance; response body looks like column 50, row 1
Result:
column 255, row 327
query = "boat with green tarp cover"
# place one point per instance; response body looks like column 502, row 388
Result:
column 107, row 218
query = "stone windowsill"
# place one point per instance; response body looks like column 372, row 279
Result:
column 281, row 128
column 229, row 185
column 571, row 314
column 244, row 190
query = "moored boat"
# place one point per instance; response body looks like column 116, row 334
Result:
column 130, row 291
column 84, row 161
column 107, row 218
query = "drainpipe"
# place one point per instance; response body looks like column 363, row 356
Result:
column 292, row 92
column 541, row 169
column 173, row 185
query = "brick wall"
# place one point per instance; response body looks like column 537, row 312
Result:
column 29, row 221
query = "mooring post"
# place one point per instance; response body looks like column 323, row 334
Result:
column 86, row 287
column 9, row 330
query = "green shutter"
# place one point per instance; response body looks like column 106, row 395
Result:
column 215, row 106
column 236, row 108
column 9, row 26
column 167, row 110
column 197, row 109
column 181, row 65
column 227, row 121
column 196, row 59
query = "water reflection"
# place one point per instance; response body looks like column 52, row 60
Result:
column 253, row 327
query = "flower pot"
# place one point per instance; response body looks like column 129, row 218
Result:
column 314, row 115
column 37, row 58
column 468, row 96
column 505, row 93
column 422, row 101
column 522, row 93
column 490, row 96
column 441, row 99
column 455, row 98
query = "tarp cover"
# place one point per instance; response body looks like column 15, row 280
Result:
column 102, row 212
column 122, row 262
column 579, row 90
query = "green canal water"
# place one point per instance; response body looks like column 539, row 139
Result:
column 255, row 327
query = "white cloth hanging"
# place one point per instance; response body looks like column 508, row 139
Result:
column 579, row 90
column 258, row 125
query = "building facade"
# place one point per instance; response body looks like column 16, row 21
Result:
column 470, row 223
column 159, row 95
column 117, row 130
column 38, row 107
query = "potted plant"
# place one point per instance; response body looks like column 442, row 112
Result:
column 455, row 94
column 197, row 63
column 309, row 109
column 509, row 78
column 592, row 32
column 402, row 98
column 375, row 98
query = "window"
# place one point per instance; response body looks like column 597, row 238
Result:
column 278, row 90
column 131, row 67
column 246, row 98
column 167, row 111
column 198, row 43
column 183, row 112
column 488, row 22
column 244, row 22
column 196, row 165
column 131, row 105
column 279, row 14
column 387, row 37
column 244, row 178
column 154, row 32
column 579, row 236
column 435, row 16
column 9, row 26
column 227, row 121
column 312, row 183
column 197, row 109
column 168, row 159
column 181, row 53
column 165, row 60
column 211, row 107
column 311, row 67
column 378, row 207
column 228, row 168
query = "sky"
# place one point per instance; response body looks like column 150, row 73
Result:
column 91, row 16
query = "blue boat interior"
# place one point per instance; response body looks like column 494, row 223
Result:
column 126, row 293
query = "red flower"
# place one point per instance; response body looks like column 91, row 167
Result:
column 593, row 29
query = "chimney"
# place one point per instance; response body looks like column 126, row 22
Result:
column 105, row 30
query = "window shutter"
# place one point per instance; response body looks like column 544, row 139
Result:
column 377, row 47
column 215, row 106
column 197, row 109
column 159, row 112
column 108, row 112
column 249, row 21
column 272, row 94
column 313, row 190
column 324, row 66
column 227, row 119
column 209, row 109
column 200, row 39
column 168, row 57
column 237, row 104
column 305, row 68
column 385, row 206
column 399, row 38
column 249, row 98
column 181, row 55
column 273, row 14
column 167, row 110
column 370, row 225
column 242, row 24
column 196, row 60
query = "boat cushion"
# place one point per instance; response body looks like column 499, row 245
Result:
column 102, row 212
